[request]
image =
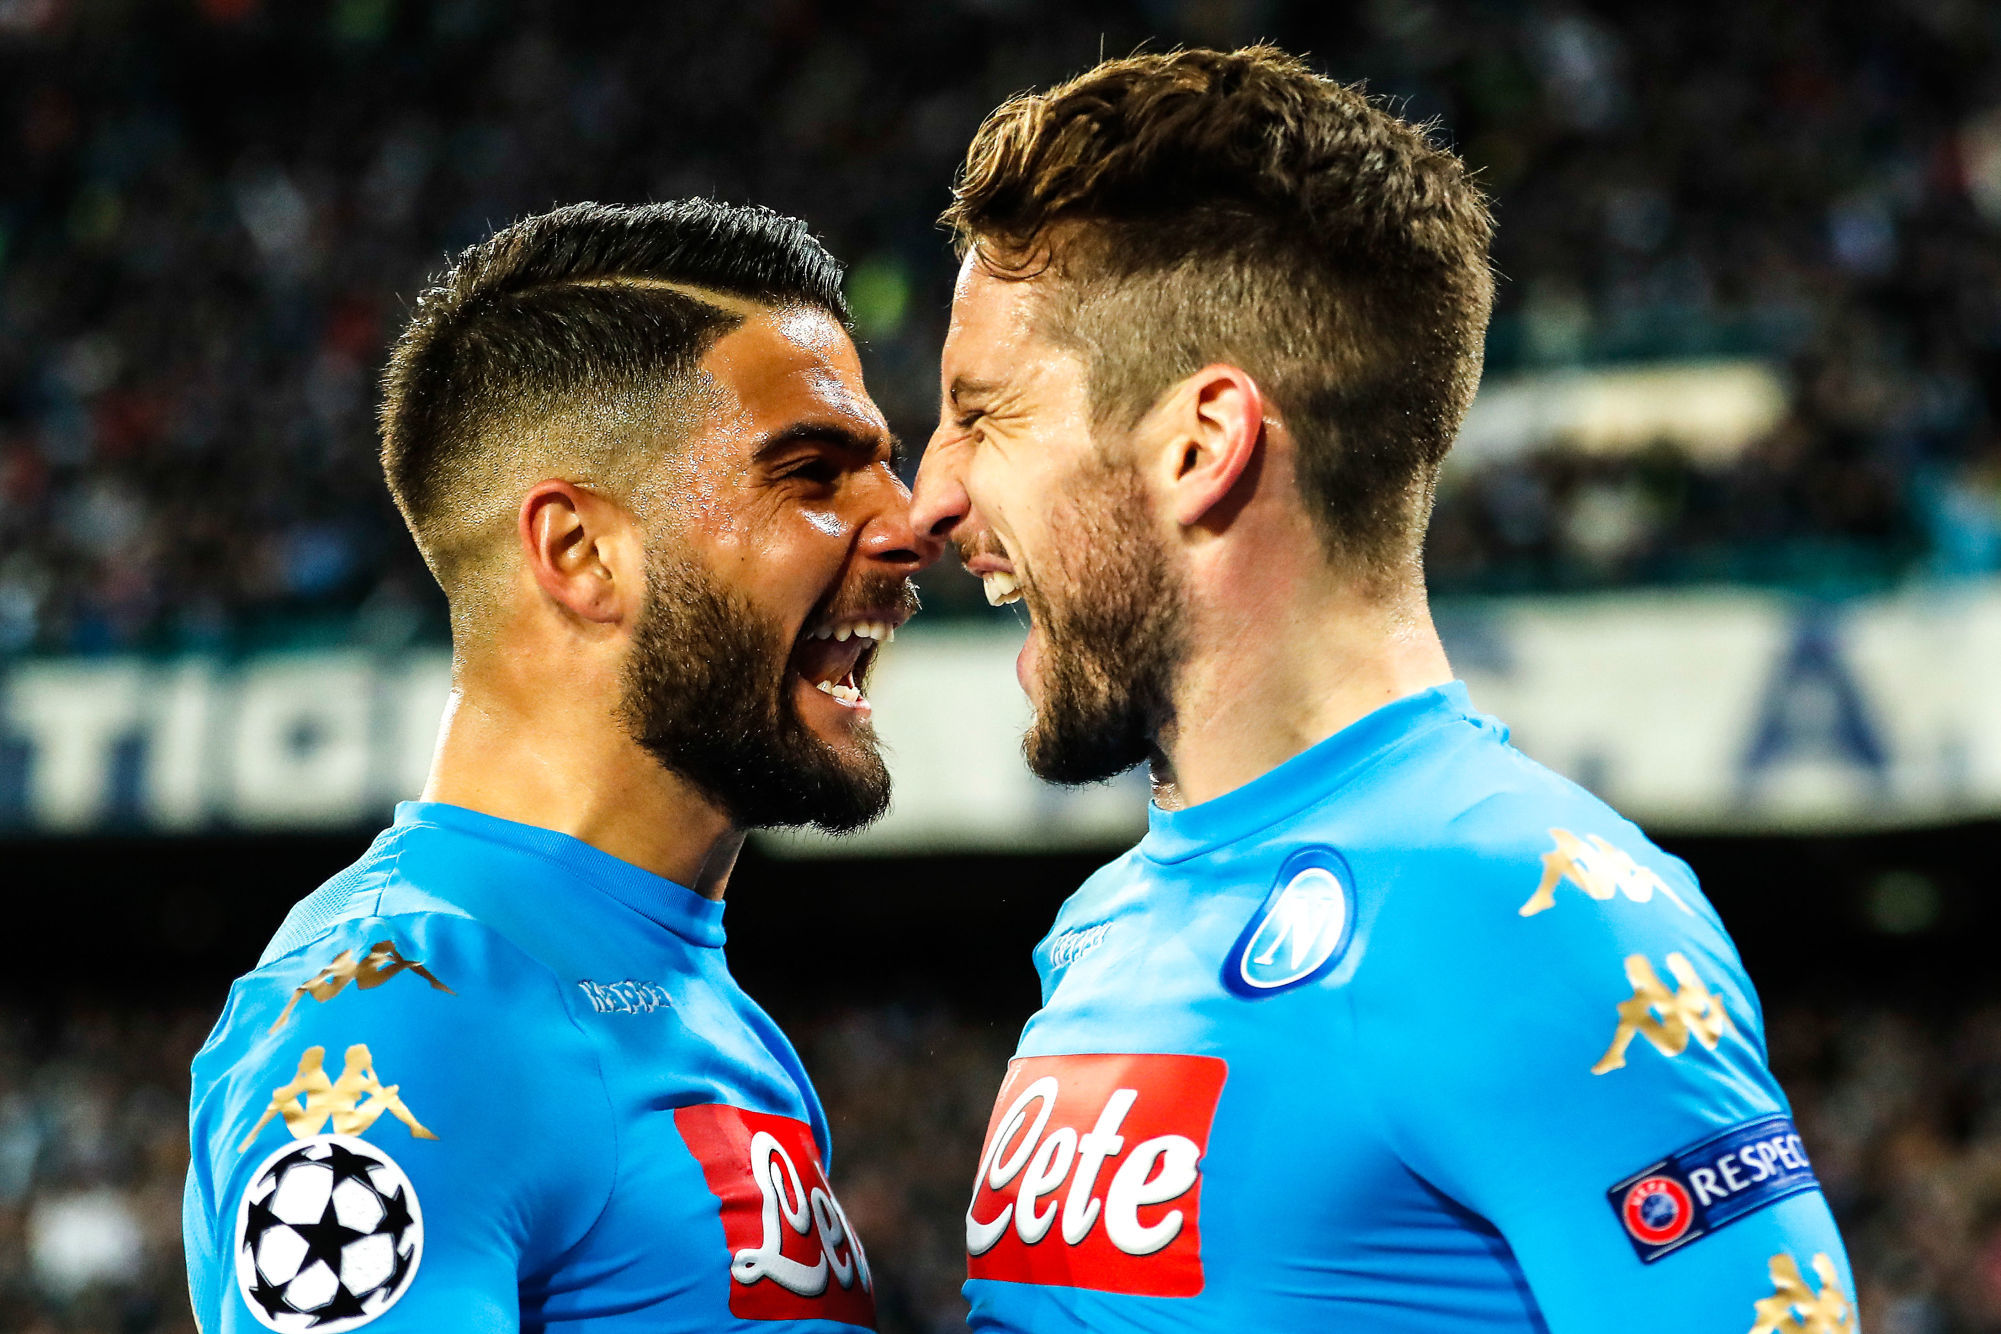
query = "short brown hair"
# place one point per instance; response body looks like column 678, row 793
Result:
column 1205, row 206
column 551, row 344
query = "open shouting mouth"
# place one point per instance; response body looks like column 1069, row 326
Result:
column 835, row 652
column 998, row 578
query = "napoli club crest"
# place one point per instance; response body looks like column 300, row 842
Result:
column 1658, row 1211
column 328, row 1236
column 1301, row 929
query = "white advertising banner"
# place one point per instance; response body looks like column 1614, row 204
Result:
column 1690, row 711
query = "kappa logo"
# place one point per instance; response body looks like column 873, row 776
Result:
column 382, row 962
column 1091, row 1175
column 627, row 997
column 354, row 1102
column 1598, row 868
column 1303, row 926
column 1668, row 1019
column 1795, row 1307
column 1072, row 945
column 793, row 1254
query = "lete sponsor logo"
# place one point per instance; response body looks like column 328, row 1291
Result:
column 1091, row 1175
column 1690, row 1194
column 793, row 1255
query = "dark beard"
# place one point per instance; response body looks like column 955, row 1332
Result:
column 708, row 695
column 1110, row 656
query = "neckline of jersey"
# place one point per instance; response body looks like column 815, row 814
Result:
column 681, row 910
column 1306, row 779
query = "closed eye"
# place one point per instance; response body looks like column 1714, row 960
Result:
column 821, row 471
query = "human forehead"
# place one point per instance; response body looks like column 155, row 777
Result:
column 997, row 339
column 782, row 365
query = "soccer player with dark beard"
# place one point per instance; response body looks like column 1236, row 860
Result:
column 1381, row 1027
column 496, row 1074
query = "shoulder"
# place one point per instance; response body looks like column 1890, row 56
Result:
column 1508, row 840
column 435, row 1001
column 433, row 968
column 435, row 1039
column 1530, row 892
column 1537, row 936
column 410, row 870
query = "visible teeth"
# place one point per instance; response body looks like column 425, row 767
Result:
column 847, row 694
column 879, row 631
column 1002, row 588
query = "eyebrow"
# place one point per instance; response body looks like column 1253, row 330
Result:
column 964, row 386
column 841, row 435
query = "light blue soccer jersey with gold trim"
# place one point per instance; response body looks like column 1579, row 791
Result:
column 1407, row 1036
column 490, row 1078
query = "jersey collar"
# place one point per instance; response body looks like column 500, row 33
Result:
column 674, row 906
column 1302, row 781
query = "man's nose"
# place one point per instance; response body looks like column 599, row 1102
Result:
column 892, row 537
column 939, row 502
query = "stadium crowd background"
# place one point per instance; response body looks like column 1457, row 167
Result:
column 213, row 212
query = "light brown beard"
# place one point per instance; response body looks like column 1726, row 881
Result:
column 1114, row 638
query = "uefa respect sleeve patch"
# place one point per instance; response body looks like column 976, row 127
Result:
column 1692, row 1193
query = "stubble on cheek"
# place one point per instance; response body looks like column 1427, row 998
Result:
column 1112, row 634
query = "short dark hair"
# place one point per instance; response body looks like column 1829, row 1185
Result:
column 1202, row 206
column 586, row 315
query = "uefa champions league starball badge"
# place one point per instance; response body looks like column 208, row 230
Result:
column 328, row 1236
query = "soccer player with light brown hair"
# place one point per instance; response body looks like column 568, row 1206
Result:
column 1382, row 1026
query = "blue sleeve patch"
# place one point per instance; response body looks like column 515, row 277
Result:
column 1690, row 1194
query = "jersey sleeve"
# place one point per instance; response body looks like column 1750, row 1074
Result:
column 394, row 1126
column 1573, row 1053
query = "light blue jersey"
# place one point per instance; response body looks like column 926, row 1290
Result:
column 490, row 1078
column 1406, row 1036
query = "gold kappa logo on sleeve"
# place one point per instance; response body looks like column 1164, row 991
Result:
column 354, row 1102
column 1795, row 1308
column 382, row 962
column 1599, row 869
column 1665, row 1018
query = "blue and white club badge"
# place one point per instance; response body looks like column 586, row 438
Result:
column 1302, row 927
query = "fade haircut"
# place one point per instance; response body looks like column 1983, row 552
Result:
column 1203, row 206
column 565, row 345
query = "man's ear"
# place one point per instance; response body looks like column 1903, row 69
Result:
column 1219, row 421
column 583, row 550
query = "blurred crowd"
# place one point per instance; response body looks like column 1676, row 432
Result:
column 93, row 1150
column 1901, row 1114
column 214, row 212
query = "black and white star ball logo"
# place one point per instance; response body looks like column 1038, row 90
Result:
column 328, row 1236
